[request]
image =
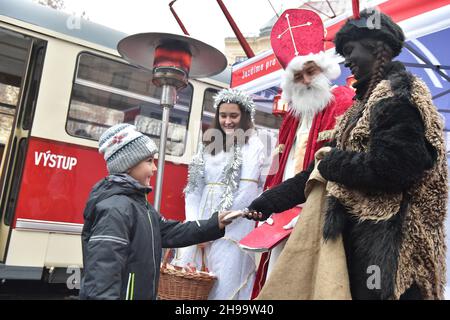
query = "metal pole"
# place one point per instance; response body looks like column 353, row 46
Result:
column 176, row 17
column 168, row 100
column 274, row 9
column 244, row 44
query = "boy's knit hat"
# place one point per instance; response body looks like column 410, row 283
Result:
column 123, row 147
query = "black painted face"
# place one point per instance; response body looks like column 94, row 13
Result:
column 359, row 58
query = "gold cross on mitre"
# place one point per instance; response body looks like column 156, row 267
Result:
column 306, row 35
column 289, row 28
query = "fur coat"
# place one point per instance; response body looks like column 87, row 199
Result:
column 388, row 191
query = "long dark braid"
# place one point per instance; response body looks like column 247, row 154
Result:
column 383, row 55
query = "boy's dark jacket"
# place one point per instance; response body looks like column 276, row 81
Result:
column 123, row 237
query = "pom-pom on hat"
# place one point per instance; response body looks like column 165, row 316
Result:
column 123, row 147
column 372, row 24
column 238, row 97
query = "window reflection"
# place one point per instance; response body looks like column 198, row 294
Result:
column 108, row 92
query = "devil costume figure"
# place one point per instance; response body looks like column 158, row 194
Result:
column 387, row 175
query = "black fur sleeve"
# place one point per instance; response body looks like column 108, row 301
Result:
column 284, row 196
column 397, row 157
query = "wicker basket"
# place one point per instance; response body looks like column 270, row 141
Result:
column 175, row 284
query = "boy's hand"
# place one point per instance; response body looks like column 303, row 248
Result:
column 222, row 221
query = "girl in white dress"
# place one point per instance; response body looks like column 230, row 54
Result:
column 226, row 175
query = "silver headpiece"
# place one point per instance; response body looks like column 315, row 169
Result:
column 238, row 97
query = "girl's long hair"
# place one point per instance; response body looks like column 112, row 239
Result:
column 209, row 136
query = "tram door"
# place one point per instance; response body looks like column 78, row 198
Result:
column 21, row 59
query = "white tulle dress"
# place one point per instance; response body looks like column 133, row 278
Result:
column 234, row 267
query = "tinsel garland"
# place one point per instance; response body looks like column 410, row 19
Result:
column 231, row 175
column 196, row 171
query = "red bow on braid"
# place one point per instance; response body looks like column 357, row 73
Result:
column 118, row 139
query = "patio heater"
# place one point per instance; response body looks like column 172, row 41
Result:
column 172, row 59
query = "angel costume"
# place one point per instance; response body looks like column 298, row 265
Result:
column 225, row 181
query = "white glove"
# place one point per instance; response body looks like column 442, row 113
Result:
column 291, row 224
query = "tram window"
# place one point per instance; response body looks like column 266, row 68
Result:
column 7, row 112
column 14, row 50
column 267, row 120
column 208, row 108
column 107, row 92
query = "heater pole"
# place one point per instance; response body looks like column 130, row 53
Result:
column 169, row 57
column 244, row 44
column 168, row 100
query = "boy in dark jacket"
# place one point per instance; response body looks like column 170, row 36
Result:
column 123, row 235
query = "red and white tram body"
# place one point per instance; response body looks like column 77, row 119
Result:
column 62, row 83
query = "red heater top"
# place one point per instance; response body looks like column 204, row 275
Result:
column 165, row 56
column 196, row 58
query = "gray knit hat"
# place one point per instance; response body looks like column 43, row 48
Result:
column 123, row 147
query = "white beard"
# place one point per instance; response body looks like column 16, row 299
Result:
column 307, row 101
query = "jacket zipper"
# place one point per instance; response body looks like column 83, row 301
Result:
column 153, row 251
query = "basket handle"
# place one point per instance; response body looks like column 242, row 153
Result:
column 166, row 257
column 167, row 254
column 203, row 259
